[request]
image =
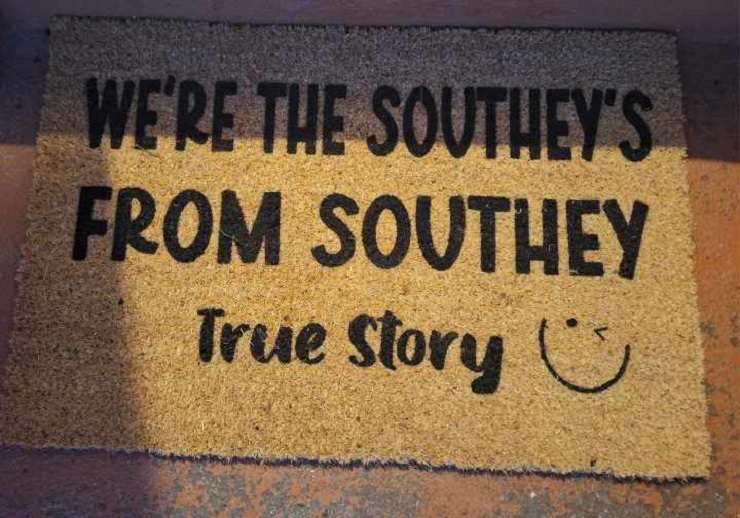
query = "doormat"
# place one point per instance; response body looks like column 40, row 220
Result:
column 439, row 247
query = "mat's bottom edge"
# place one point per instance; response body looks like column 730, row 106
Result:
column 371, row 463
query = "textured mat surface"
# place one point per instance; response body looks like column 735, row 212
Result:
column 539, row 224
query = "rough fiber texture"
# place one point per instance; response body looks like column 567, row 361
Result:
column 126, row 375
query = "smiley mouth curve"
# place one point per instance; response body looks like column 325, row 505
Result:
column 574, row 386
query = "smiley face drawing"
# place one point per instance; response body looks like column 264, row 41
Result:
column 600, row 333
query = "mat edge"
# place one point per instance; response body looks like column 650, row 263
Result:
column 369, row 464
column 61, row 17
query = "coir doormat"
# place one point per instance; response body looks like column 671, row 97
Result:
column 465, row 248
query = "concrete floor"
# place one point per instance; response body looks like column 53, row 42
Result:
column 65, row 483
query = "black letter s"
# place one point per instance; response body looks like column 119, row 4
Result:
column 346, row 237
column 643, row 131
column 391, row 128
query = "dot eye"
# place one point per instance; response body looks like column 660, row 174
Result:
column 571, row 322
